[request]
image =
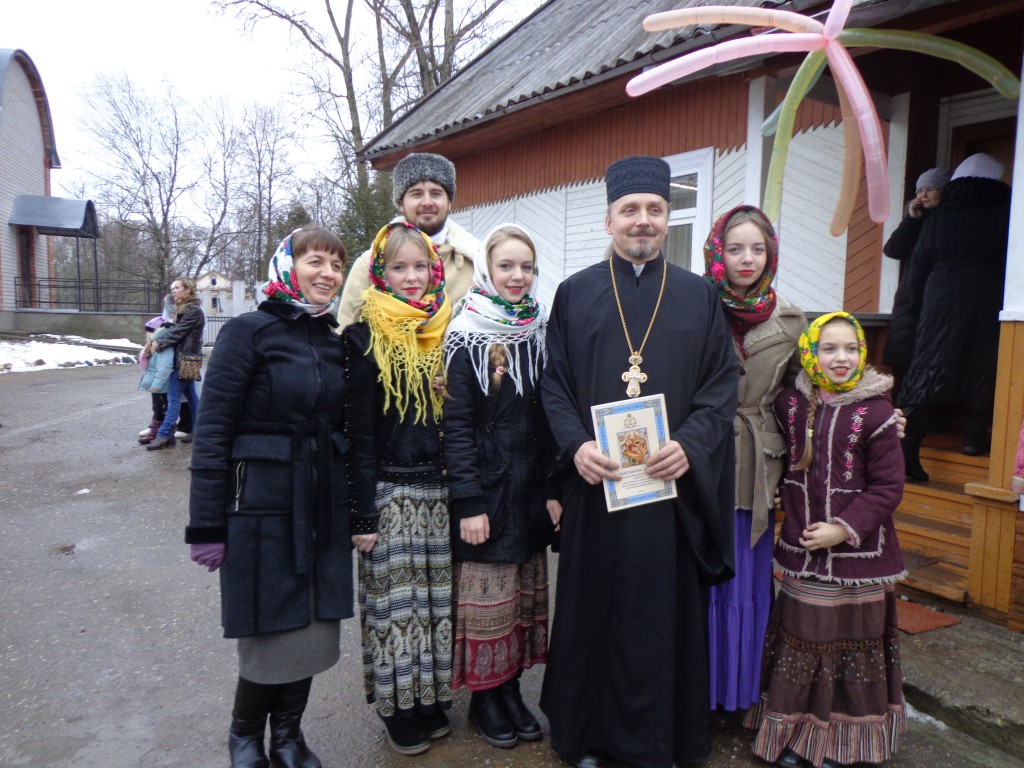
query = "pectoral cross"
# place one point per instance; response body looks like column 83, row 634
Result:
column 634, row 377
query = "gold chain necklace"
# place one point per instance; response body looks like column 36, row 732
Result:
column 634, row 377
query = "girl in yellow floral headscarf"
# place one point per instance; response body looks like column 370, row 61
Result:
column 407, row 321
column 400, row 521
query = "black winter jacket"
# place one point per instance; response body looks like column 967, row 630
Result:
column 496, row 446
column 271, row 470
column 186, row 334
column 399, row 450
column 953, row 291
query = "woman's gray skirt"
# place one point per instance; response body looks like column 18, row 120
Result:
column 284, row 657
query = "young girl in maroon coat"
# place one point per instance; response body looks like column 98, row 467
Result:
column 832, row 689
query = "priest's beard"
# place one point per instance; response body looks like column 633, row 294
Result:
column 645, row 251
column 641, row 252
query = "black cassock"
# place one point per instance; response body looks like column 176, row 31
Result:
column 627, row 670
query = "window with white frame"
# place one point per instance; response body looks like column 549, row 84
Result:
column 689, row 207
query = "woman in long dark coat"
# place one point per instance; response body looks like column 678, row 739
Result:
column 954, row 289
column 269, row 501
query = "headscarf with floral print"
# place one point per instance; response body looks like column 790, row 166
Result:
column 283, row 286
column 483, row 318
column 808, row 346
column 406, row 334
column 742, row 311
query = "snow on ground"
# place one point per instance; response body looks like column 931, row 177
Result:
column 40, row 355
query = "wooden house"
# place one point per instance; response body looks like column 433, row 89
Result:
column 533, row 122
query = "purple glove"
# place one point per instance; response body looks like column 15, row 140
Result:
column 210, row 555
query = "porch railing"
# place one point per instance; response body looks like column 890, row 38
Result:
column 89, row 295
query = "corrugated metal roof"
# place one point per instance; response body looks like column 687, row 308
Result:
column 61, row 216
column 563, row 43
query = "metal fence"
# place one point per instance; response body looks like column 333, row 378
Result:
column 213, row 325
column 89, row 295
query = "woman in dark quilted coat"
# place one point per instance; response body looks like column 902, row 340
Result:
column 269, row 503
column 502, row 517
column 954, row 289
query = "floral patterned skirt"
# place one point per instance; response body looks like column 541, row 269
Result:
column 501, row 620
column 832, row 685
column 405, row 601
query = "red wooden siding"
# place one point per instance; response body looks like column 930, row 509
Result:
column 710, row 113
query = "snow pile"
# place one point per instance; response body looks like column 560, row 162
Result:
column 35, row 355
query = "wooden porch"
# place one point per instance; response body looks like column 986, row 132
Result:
column 959, row 531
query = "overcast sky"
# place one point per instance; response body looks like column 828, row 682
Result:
column 185, row 42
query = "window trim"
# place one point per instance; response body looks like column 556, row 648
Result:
column 702, row 163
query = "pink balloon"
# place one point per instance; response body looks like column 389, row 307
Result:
column 794, row 42
column 836, row 19
column 870, row 129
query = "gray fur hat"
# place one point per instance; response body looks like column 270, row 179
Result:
column 639, row 173
column 423, row 166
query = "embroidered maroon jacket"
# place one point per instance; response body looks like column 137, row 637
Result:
column 856, row 479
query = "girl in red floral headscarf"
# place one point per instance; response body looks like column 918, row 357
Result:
column 740, row 259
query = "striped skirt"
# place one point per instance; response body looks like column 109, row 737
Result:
column 501, row 621
column 405, row 601
column 831, row 686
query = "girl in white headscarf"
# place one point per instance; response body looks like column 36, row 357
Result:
column 502, row 515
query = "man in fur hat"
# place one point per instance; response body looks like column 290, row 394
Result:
column 424, row 186
column 627, row 673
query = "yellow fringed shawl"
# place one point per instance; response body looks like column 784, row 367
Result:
column 406, row 343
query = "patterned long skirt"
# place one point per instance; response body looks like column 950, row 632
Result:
column 405, row 601
column 501, row 621
column 832, row 685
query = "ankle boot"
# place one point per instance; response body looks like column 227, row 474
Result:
column 486, row 712
column 917, row 427
column 287, row 745
column 976, row 438
column 523, row 722
column 249, row 724
column 150, row 436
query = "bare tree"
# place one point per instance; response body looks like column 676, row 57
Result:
column 418, row 44
column 144, row 141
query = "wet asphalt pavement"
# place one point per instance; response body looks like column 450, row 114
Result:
column 110, row 647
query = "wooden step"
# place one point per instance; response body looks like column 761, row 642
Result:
column 941, row 541
column 944, row 502
column 952, row 466
column 941, row 579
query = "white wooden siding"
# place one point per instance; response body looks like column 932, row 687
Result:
column 22, row 172
column 812, row 263
column 730, row 182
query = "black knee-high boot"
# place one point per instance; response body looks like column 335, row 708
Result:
column 287, row 744
column 249, row 724
column 917, row 428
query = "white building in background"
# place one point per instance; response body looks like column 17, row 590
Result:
column 220, row 295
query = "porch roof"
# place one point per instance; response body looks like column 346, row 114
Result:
column 60, row 216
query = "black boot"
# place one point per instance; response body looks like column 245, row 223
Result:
column 486, row 712
column 976, row 438
column 249, row 724
column 917, row 428
column 287, row 745
column 523, row 722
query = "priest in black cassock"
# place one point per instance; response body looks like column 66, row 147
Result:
column 627, row 674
